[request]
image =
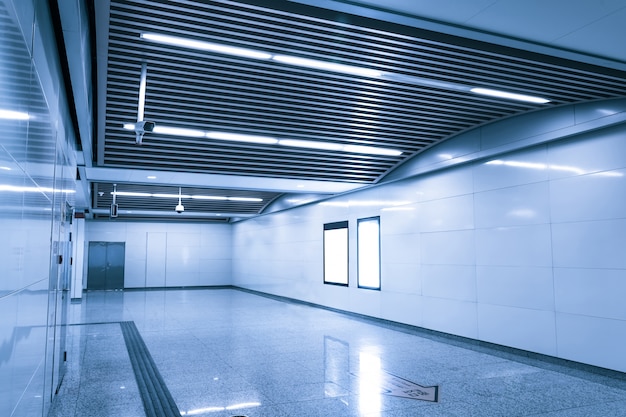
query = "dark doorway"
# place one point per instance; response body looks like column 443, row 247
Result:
column 105, row 266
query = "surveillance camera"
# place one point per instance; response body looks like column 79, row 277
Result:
column 145, row 125
column 180, row 208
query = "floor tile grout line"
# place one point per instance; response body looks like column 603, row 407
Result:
column 158, row 401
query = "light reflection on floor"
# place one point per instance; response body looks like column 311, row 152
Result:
column 227, row 352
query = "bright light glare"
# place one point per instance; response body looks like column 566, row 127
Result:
column 336, row 256
column 178, row 131
column 17, row 189
column 370, row 381
column 339, row 147
column 130, row 194
column 329, row 66
column 310, row 144
column 244, row 199
column 369, row 253
column 13, row 115
column 268, row 140
column 203, row 410
column 206, row 46
column 208, row 197
column 170, row 196
column 187, row 196
column 512, row 96
column 242, row 138
column 242, row 405
column 129, row 126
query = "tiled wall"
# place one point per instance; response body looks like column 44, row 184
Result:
column 524, row 248
column 168, row 254
column 37, row 171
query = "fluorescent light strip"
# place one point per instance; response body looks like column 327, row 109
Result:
column 178, row 131
column 13, row 115
column 241, row 138
column 370, row 150
column 205, row 46
column 267, row 140
column 332, row 66
column 328, row 66
column 512, row 96
column 195, row 197
column 249, row 53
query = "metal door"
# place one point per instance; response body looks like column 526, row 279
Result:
column 105, row 266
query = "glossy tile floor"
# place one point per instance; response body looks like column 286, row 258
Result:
column 225, row 352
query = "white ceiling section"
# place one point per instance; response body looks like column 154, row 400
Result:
column 327, row 90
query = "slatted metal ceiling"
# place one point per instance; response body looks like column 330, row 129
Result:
column 217, row 92
column 103, row 198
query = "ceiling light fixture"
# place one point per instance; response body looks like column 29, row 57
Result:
column 205, row 46
column 179, row 131
column 336, row 67
column 13, row 115
column 268, row 140
column 250, row 199
column 512, row 96
column 241, row 138
column 129, row 194
column 370, row 150
column 327, row 66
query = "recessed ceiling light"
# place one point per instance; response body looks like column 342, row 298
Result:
column 5, row 168
column 507, row 95
column 151, row 177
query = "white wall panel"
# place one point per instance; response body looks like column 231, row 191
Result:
column 591, row 292
column 401, row 307
column 155, row 258
column 447, row 248
column 527, row 329
column 592, row 152
column 594, row 244
column 401, row 277
column 589, row 197
column 455, row 213
column 516, row 286
column 444, row 184
column 515, row 246
column 512, row 169
column 450, row 316
column 456, row 282
column 400, row 248
column 594, row 340
column 513, row 206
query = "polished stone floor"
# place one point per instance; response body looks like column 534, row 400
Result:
column 225, row 352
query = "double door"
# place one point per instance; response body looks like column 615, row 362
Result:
column 105, row 266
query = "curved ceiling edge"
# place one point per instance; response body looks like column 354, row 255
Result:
column 513, row 133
